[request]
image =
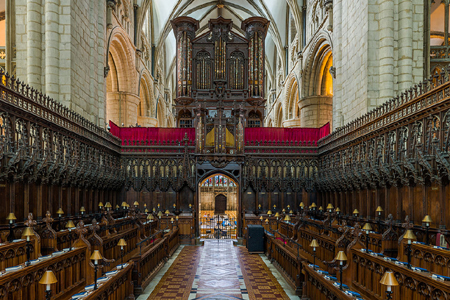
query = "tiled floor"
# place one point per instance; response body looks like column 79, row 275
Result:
column 218, row 272
column 221, row 272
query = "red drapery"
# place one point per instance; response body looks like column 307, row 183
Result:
column 276, row 134
column 258, row 134
column 152, row 133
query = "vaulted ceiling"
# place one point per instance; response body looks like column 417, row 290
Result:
column 276, row 11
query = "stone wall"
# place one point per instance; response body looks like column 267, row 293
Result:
column 378, row 53
column 60, row 51
column 377, row 49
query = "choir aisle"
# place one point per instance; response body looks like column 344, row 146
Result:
column 218, row 271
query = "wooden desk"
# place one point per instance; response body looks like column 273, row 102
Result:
column 319, row 288
column 13, row 254
column 70, row 271
column 119, row 287
column 366, row 271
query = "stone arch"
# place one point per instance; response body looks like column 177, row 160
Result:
column 290, row 105
column 146, row 108
column 122, row 100
column 316, row 101
column 322, row 49
column 161, row 113
column 279, row 116
column 121, row 57
column 170, row 121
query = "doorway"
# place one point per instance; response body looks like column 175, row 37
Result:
column 218, row 207
column 220, row 204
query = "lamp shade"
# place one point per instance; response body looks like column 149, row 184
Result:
column 356, row 212
column 117, row 206
column 269, row 212
column 277, row 215
column 409, row 235
column 100, row 204
column 313, row 205
column 171, row 220
column 146, row 210
column 28, row 232
column 261, row 218
column 320, row 208
column 70, row 224
column 330, row 206
column 48, row 278
column 122, row 243
column 150, row 217
column 338, row 209
column 302, row 204
column 389, row 279
column 11, row 216
column 176, row 218
column 427, row 219
column 108, row 205
column 314, row 244
column 341, row 256
column 82, row 209
column 128, row 205
column 136, row 203
column 60, row 211
column 267, row 221
column 96, row 255
column 124, row 204
column 160, row 214
column 379, row 209
column 167, row 212
column 284, row 210
column 287, row 218
column 367, row 227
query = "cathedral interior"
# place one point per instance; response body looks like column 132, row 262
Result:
column 224, row 149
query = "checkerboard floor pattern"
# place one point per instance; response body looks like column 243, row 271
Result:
column 218, row 271
column 259, row 280
column 177, row 282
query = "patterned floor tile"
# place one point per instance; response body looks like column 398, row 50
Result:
column 177, row 282
column 218, row 271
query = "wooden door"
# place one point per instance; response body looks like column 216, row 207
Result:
column 220, row 204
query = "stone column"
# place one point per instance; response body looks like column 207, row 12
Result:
column 123, row 108
column 405, row 44
column 34, row 53
column 337, row 64
column 386, row 52
column 315, row 111
column 10, row 33
column 52, row 48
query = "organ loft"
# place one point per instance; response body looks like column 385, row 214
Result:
column 220, row 81
column 212, row 150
